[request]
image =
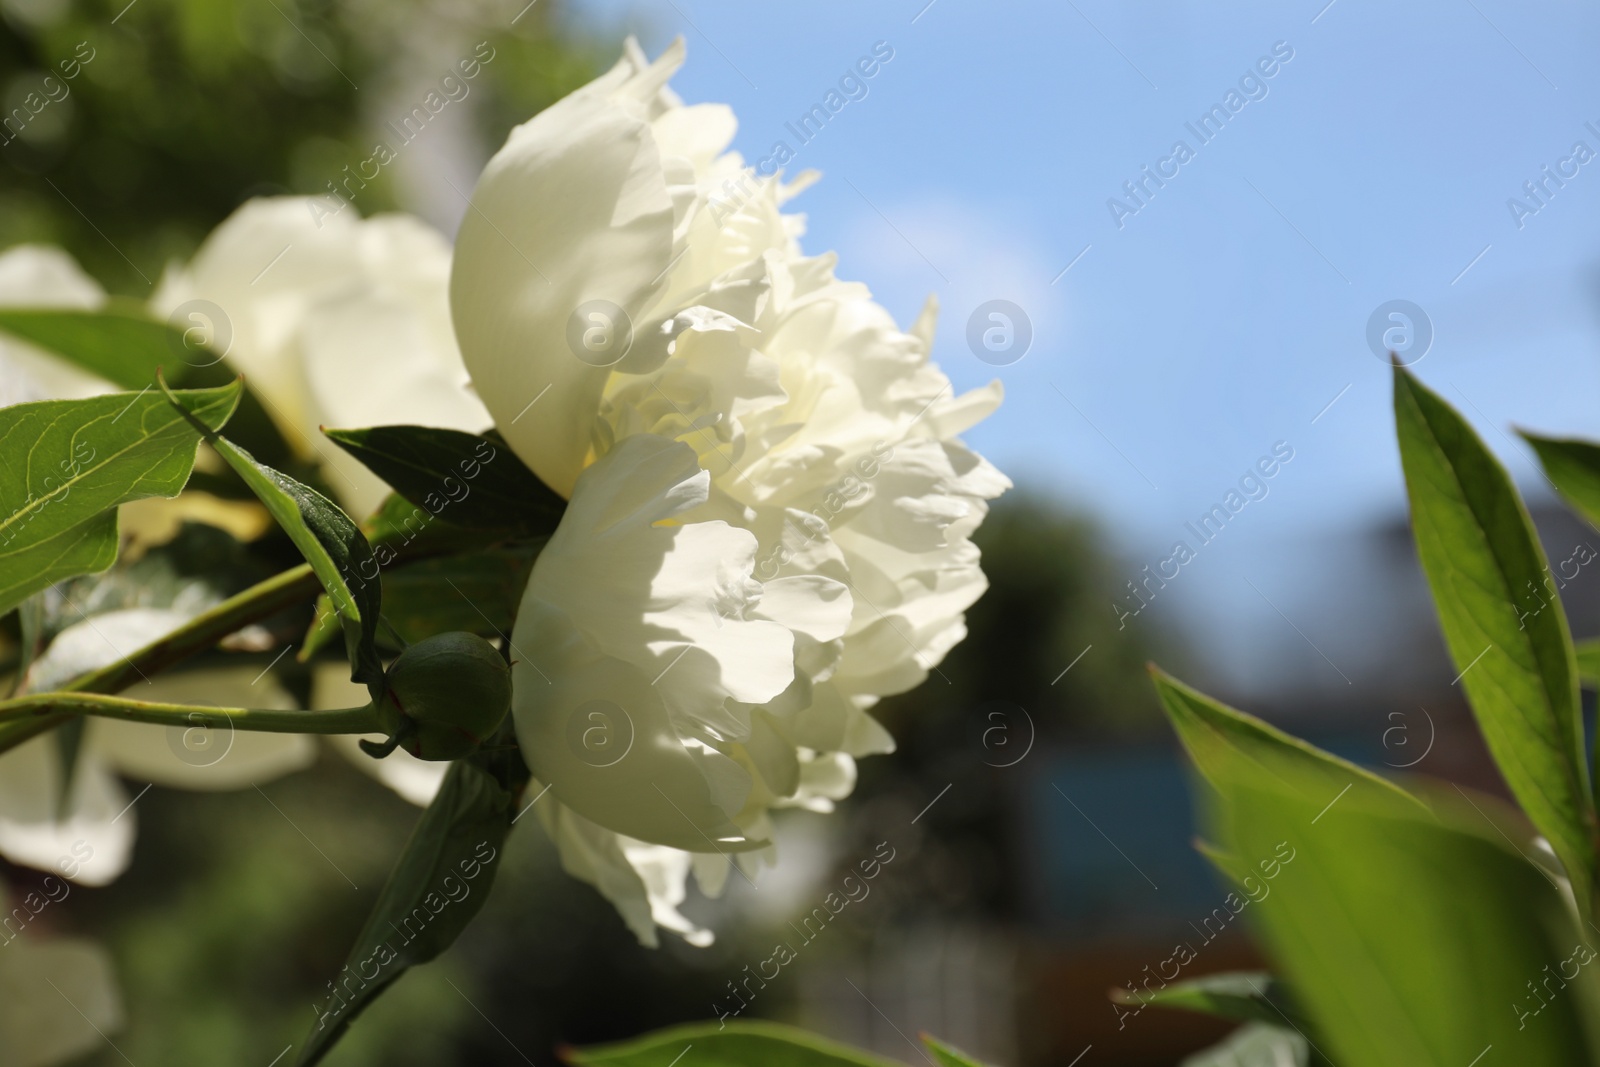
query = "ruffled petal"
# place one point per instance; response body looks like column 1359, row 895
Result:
column 676, row 601
column 645, row 883
column 597, row 730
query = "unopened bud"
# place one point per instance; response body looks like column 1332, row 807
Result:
column 445, row 696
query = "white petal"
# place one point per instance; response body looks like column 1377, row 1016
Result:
column 676, row 601
column 335, row 320
column 962, row 413
column 773, row 756
column 864, row 735
column 809, row 604
column 593, row 854
column 264, row 267
column 372, row 359
column 824, row 778
column 99, row 641
column 711, row 872
column 645, row 883
column 598, row 732
column 664, row 872
column 43, row 276
column 574, row 208
column 90, row 842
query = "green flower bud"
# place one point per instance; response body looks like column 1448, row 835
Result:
column 445, row 696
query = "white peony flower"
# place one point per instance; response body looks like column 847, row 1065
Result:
column 341, row 322
column 770, row 513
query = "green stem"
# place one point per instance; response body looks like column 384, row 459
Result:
column 361, row 720
column 269, row 597
column 198, row 634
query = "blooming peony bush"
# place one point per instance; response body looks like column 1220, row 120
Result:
column 719, row 493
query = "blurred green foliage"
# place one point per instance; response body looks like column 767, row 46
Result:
column 132, row 129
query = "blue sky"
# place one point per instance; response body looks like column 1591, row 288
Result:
column 1229, row 311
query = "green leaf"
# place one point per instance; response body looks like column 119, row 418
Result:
column 1416, row 940
column 1588, row 655
column 437, row 887
column 479, row 593
column 124, row 345
column 476, row 482
column 66, row 464
column 120, row 343
column 1226, row 865
column 1249, row 996
column 335, row 548
column 948, row 1055
column 1502, row 619
column 32, row 637
column 409, row 531
column 331, row 543
column 1229, row 746
column 403, row 534
column 732, row 1044
column 1573, row 467
column 1255, row 1045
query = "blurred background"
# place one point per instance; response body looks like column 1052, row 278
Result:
column 1404, row 177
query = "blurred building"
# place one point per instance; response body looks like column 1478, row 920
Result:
column 1038, row 886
